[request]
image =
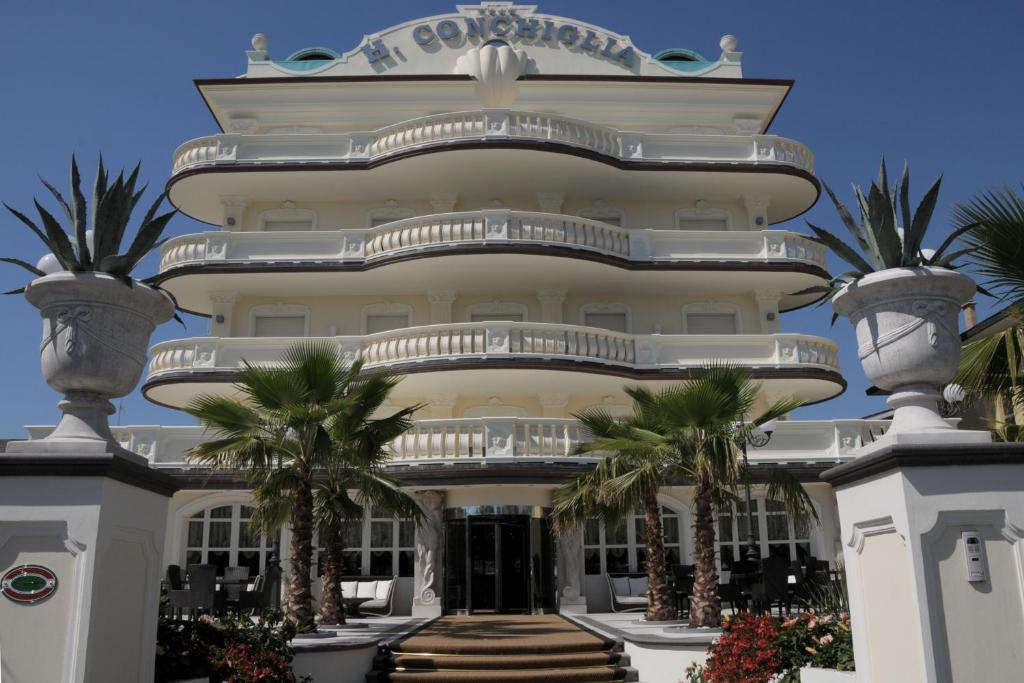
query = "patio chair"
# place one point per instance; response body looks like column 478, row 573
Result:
column 174, row 581
column 202, row 582
column 232, row 591
column 774, row 587
column 380, row 590
column 628, row 592
column 257, row 599
column 682, row 586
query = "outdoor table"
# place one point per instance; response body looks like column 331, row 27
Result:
column 352, row 606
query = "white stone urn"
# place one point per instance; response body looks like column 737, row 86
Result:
column 496, row 69
column 908, row 341
column 96, row 333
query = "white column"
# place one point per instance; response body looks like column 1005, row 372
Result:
column 768, row 310
column 427, row 596
column 570, row 572
column 222, row 305
column 234, row 212
column 551, row 301
column 441, row 301
column 757, row 211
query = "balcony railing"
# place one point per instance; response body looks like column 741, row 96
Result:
column 497, row 227
column 475, row 126
column 525, row 438
column 511, row 340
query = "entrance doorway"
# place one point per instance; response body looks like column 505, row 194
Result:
column 497, row 563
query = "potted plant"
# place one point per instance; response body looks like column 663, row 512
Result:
column 97, row 320
column 903, row 300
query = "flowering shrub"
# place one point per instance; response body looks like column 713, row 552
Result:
column 231, row 649
column 760, row 648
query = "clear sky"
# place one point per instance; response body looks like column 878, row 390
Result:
column 936, row 82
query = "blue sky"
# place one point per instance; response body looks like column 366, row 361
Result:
column 933, row 81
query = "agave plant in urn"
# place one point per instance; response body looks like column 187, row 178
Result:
column 97, row 319
column 904, row 302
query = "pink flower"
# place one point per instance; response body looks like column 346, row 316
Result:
column 826, row 639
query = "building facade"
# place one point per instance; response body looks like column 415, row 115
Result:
column 522, row 214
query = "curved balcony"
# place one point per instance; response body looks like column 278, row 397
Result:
column 518, row 439
column 794, row 261
column 438, row 134
column 496, row 354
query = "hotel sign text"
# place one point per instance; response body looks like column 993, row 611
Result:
column 503, row 27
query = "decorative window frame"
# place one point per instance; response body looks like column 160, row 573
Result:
column 814, row 538
column 182, row 516
column 701, row 212
column 712, row 307
column 385, row 308
column 279, row 311
column 611, row 307
column 366, row 550
column 600, row 211
column 498, row 308
column 286, row 212
column 677, row 508
column 390, row 211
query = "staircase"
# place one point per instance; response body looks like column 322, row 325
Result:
column 502, row 649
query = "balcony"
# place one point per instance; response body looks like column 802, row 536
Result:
column 783, row 260
column 496, row 355
column 484, row 440
column 482, row 130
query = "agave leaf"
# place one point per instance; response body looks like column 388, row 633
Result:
column 847, row 218
column 98, row 190
column 816, row 289
column 64, row 252
column 946, row 261
column 146, row 238
column 19, row 290
column 107, row 215
column 841, row 249
column 922, row 217
column 78, row 216
column 951, row 238
column 873, row 252
column 882, row 223
column 904, row 201
column 24, row 264
column 60, row 199
column 32, row 226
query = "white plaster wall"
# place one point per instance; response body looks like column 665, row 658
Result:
column 337, row 666
column 663, row 664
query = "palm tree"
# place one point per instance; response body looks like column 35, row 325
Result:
column 993, row 366
column 684, row 432
column 355, row 479
column 281, row 435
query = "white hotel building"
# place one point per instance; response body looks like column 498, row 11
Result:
column 521, row 214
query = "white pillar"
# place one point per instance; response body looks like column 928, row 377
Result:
column 906, row 512
column 97, row 523
column 222, row 305
column 551, row 301
column 757, row 211
column 427, row 597
column 441, row 301
column 570, row 572
column 768, row 310
column 234, row 212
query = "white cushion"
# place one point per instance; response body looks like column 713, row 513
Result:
column 621, row 585
column 638, row 587
column 366, row 589
column 372, row 604
column 348, row 589
column 631, row 600
column 383, row 588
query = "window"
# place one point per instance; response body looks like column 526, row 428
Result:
column 775, row 533
column 279, row 326
column 702, row 218
column 287, row 226
column 607, row 316
column 600, row 211
column 377, row 545
column 383, row 323
column 620, row 547
column 224, row 536
column 710, row 323
column 391, row 211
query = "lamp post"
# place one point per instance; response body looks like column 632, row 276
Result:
column 758, row 438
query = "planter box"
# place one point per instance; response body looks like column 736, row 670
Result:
column 810, row 674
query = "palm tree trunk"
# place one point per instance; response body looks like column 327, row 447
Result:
column 705, row 605
column 659, row 598
column 332, row 607
column 299, row 599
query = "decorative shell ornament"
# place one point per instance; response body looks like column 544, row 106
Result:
column 496, row 69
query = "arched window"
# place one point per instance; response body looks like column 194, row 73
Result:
column 376, row 545
column 223, row 535
column 775, row 533
column 620, row 547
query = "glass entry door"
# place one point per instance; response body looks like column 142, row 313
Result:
column 487, row 566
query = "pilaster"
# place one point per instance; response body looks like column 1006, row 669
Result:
column 768, row 310
column 553, row 404
column 550, row 202
column 222, row 305
column 757, row 211
column 443, row 202
column 551, row 301
column 570, row 572
column 234, row 211
column 441, row 301
column 427, row 596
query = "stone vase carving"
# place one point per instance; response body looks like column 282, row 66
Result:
column 496, row 69
column 908, row 340
column 96, row 331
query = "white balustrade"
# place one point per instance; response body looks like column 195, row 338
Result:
column 471, row 126
column 501, row 438
column 512, row 339
column 492, row 227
